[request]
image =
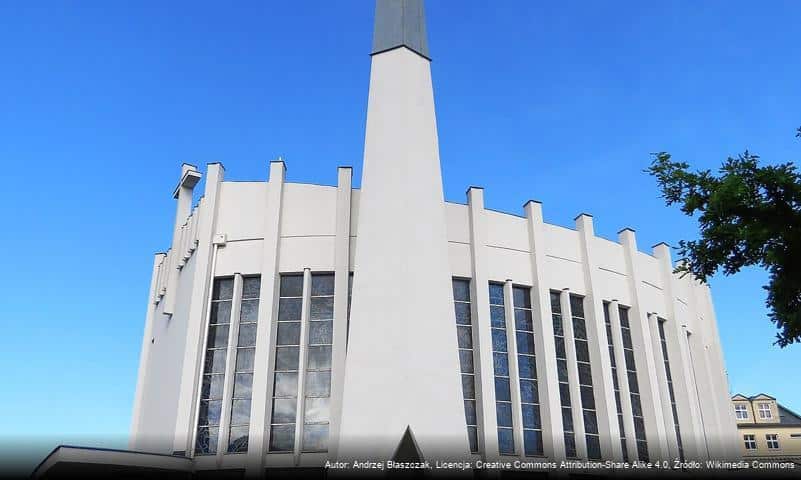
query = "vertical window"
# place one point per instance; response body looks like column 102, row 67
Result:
column 318, row 367
column 741, row 412
column 634, row 389
column 764, row 411
column 615, row 381
column 211, row 390
column 527, row 368
column 464, row 332
column 750, row 442
column 243, row 373
column 672, row 394
column 287, row 351
column 500, row 361
column 585, row 378
column 773, row 441
column 561, row 368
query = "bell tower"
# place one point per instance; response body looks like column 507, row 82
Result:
column 402, row 362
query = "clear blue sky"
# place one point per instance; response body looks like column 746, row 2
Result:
column 562, row 102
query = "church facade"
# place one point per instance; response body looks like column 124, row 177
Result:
column 292, row 324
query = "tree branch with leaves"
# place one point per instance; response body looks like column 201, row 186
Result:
column 749, row 215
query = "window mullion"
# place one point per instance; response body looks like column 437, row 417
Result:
column 202, row 362
column 588, row 405
column 230, row 367
column 212, row 382
column 526, row 370
column 285, row 370
column 468, row 365
column 514, row 376
column 302, row 361
column 572, row 375
column 660, row 324
column 500, row 355
column 317, row 376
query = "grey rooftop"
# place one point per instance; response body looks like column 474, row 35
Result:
column 400, row 23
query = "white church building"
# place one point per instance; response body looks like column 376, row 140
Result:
column 292, row 324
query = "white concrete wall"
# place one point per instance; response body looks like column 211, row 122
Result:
column 163, row 379
column 307, row 240
column 241, row 210
column 160, row 370
column 402, row 356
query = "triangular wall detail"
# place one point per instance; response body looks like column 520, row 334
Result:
column 407, row 450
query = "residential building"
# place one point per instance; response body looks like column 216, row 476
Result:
column 766, row 428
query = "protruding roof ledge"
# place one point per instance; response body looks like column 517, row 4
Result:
column 88, row 460
column 188, row 180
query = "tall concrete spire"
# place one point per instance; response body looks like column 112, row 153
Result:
column 400, row 23
column 402, row 361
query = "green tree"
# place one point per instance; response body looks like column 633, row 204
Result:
column 749, row 215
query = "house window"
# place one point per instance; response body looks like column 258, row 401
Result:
column 527, row 369
column 464, row 333
column 243, row 370
column 750, row 442
column 615, row 381
column 306, row 329
column 634, row 389
column 741, row 412
column 561, row 369
column 589, row 414
column 213, row 380
column 287, row 356
column 318, row 364
column 671, row 393
column 773, row 441
column 500, row 361
column 764, row 411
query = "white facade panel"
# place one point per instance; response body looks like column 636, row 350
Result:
column 653, row 299
column 561, row 273
column 613, row 286
column 308, row 210
column 459, row 259
column 243, row 257
column 561, row 242
column 457, row 222
column 503, row 264
column 681, row 290
column 241, row 210
column 648, row 268
column 507, row 232
column 355, row 200
column 315, row 253
column 609, row 254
